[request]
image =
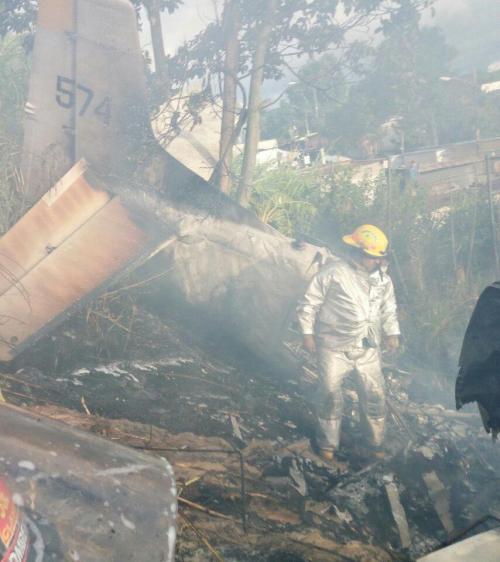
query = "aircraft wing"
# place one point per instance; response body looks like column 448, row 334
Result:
column 67, row 247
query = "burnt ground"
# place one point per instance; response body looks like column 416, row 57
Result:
column 118, row 370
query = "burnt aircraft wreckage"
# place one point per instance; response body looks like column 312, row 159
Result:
column 82, row 497
column 107, row 199
column 131, row 201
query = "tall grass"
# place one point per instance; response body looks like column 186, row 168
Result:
column 14, row 72
column 286, row 199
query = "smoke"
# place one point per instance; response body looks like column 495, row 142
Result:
column 471, row 27
column 188, row 20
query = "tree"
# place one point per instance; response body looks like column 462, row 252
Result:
column 299, row 27
column 252, row 136
column 286, row 199
column 411, row 78
column 17, row 16
column 405, row 81
column 318, row 88
column 398, row 80
column 14, row 69
column 154, row 9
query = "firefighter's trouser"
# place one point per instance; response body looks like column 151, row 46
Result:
column 365, row 367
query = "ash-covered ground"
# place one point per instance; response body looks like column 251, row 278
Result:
column 156, row 384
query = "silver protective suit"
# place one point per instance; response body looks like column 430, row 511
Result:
column 348, row 309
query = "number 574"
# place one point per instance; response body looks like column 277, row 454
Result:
column 66, row 96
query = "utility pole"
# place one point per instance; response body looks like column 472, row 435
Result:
column 477, row 90
column 388, row 198
column 492, row 216
column 403, row 147
column 306, row 117
column 316, row 115
column 316, row 105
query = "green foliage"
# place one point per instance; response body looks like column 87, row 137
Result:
column 13, row 81
column 403, row 81
column 282, row 123
column 286, row 199
column 405, row 77
column 13, row 84
column 17, row 16
column 440, row 259
column 399, row 79
column 163, row 5
column 319, row 87
column 302, row 27
column 445, row 259
column 348, row 202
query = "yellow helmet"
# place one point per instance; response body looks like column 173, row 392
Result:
column 370, row 239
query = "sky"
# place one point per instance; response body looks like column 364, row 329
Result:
column 471, row 26
column 185, row 22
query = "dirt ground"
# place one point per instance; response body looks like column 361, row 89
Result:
column 251, row 488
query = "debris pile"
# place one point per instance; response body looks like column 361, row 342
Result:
column 82, row 497
column 238, row 436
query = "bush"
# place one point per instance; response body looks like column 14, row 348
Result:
column 14, row 69
column 287, row 199
column 441, row 258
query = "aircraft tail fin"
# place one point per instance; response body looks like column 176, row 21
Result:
column 87, row 92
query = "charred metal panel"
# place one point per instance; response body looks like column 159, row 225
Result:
column 71, row 242
column 484, row 547
column 89, row 498
column 70, row 203
column 87, row 99
column 247, row 281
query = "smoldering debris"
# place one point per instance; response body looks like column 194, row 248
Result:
column 203, row 403
column 84, row 498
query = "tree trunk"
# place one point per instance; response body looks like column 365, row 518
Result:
column 254, row 105
column 232, row 26
column 154, row 16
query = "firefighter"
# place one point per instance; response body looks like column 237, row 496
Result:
column 347, row 313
